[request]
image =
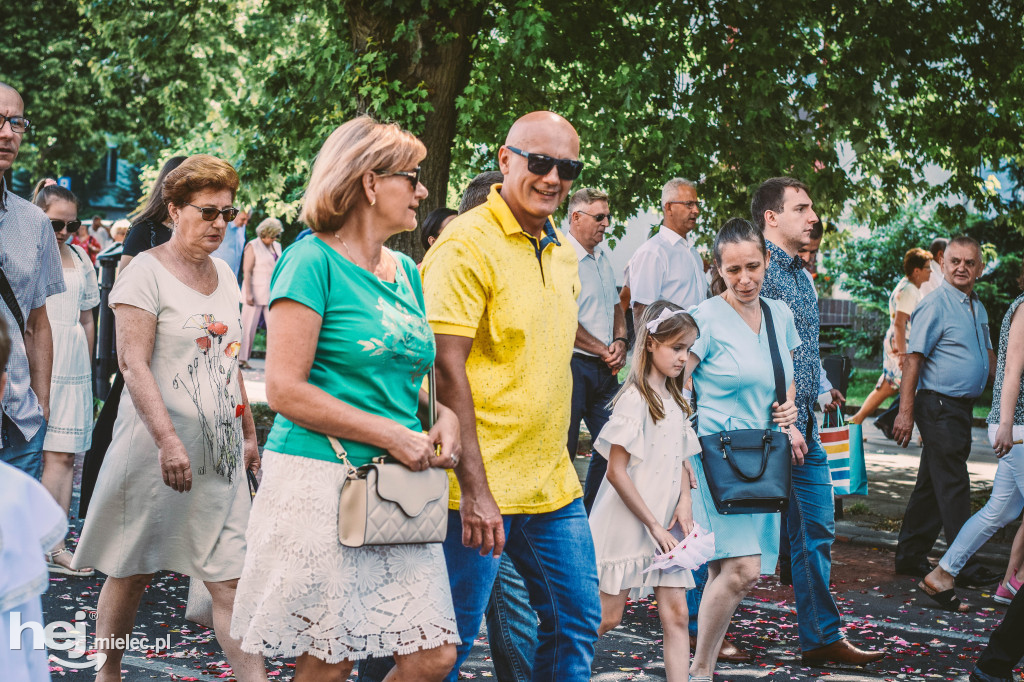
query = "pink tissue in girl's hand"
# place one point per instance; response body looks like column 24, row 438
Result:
column 696, row 549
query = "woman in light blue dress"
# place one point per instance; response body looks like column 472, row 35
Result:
column 734, row 382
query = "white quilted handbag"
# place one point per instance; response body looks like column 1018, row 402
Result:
column 390, row 504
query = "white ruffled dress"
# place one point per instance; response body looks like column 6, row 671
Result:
column 622, row 543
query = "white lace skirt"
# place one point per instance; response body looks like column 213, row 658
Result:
column 301, row 591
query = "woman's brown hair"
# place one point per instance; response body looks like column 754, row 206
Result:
column 197, row 173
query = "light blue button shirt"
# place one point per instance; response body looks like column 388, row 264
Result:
column 954, row 340
column 230, row 250
column 598, row 295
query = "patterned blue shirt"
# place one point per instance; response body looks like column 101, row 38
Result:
column 31, row 262
column 785, row 281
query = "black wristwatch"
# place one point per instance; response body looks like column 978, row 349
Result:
column 624, row 340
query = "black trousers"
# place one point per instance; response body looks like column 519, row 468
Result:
column 593, row 387
column 942, row 496
column 1006, row 646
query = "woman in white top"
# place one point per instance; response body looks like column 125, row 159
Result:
column 902, row 301
column 258, row 261
column 69, row 429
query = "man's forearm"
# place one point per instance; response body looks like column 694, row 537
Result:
column 638, row 312
column 453, row 390
column 586, row 341
column 39, row 351
column 618, row 324
column 908, row 384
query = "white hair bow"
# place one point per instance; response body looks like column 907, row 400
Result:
column 653, row 325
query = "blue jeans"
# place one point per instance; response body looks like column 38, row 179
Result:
column 593, row 387
column 26, row 455
column 811, row 522
column 554, row 553
column 511, row 625
column 694, row 596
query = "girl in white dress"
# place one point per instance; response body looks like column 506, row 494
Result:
column 646, row 491
column 69, row 429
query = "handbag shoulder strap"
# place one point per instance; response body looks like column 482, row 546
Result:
column 12, row 302
column 773, row 347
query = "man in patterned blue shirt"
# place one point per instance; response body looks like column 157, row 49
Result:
column 782, row 210
column 31, row 268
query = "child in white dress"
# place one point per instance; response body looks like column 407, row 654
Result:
column 646, row 491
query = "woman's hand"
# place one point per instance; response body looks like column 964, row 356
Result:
column 784, row 414
column 665, row 540
column 250, row 300
column 251, row 454
column 446, row 432
column 796, row 439
column 414, row 449
column 175, row 466
column 683, row 516
column 1003, row 442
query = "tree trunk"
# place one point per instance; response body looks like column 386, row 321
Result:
column 444, row 68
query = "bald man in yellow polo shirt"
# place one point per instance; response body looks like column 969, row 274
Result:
column 501, row 290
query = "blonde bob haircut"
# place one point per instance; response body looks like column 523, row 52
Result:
column 355, row 148
column 197, row 173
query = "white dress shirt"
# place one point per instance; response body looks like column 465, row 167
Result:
column 598, row 295
column 667, row 266
column 934, row 280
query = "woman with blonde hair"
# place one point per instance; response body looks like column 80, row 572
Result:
column 171, row 494
column 258, row 261
column 348, row 345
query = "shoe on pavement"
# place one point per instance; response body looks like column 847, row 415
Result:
column 1003, row 594
column 978, row 578
column 918, row 569
column 841, row 652
column 978, row 676
column 1013, row 584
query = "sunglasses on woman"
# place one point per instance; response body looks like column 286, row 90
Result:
column 541, row 164
column 413, row 175
column 210, row 213
column 71, row 225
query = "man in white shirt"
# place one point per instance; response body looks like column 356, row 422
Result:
column 600, row 348
column 667, row 266
column 938, row 249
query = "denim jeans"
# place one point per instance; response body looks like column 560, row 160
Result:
column 593, row 387
column 693, row 597
column 811, row 522
column 554, row 553
column 511, row 625
column 26, row 455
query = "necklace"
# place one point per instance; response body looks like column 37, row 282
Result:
column 383, row 270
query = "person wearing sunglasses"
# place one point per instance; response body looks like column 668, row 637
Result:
column 172, row 492
column 69, row 429
column 31, row 268
column 501, row 286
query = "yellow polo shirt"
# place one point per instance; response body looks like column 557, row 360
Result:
column 483, row 279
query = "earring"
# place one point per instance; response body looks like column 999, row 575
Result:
column 374, row 202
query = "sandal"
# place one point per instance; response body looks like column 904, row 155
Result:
column 54, row 567
column 244, row 365
column 946, row 599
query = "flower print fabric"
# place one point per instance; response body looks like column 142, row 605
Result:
column 136, row 523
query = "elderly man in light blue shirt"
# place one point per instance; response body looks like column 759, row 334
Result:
column 230, row 250
column 600, row 348
column 949, row 360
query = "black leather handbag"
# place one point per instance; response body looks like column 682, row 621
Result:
column 748, row 470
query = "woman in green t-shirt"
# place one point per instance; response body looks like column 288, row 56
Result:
column 347, row 350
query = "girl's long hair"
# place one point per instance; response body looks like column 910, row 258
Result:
column 668, row 330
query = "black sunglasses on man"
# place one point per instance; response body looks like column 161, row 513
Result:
column 541, row 164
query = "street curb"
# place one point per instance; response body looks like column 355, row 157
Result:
column 995, row 555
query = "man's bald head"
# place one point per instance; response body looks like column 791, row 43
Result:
column 538, row 127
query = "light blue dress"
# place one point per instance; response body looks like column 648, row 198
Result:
column 735, row 386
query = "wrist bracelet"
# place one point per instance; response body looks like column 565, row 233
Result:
column 623, row 339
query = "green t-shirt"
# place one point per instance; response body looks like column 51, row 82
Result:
column 375, row 344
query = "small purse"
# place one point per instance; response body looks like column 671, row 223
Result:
column 748, row 470
column 389, row 503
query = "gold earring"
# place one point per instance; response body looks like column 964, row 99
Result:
column 374, row 202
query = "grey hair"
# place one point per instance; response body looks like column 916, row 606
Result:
column 269, row 227
column 671, row 188
column 585, row 197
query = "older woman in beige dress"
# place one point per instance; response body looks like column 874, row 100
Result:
column 258, row 261
column 171, row 493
